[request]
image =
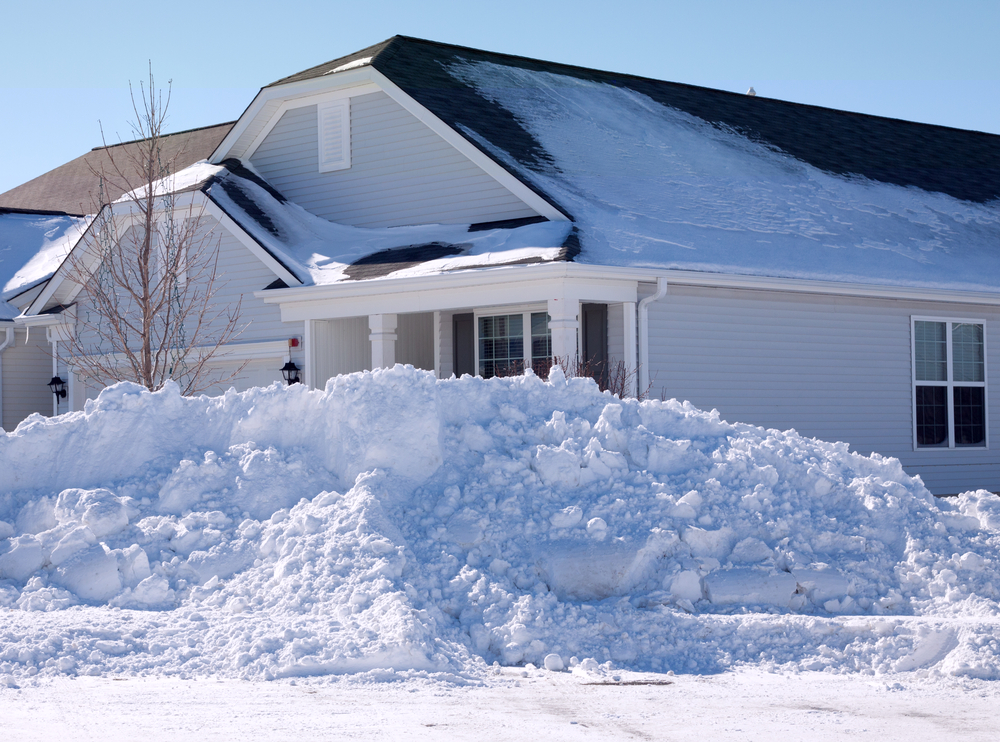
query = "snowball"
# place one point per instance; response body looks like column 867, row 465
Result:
column 596, row 527
column 553, row 663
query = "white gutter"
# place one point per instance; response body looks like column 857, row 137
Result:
column 661, row 291
column 9, row 332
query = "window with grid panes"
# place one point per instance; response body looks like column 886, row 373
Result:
column 501, row 345
column 506, row 350
column 949, row 371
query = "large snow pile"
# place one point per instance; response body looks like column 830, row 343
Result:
column 650, row 185
column 394, row 524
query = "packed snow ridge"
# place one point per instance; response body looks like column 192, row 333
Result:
column 395, row 525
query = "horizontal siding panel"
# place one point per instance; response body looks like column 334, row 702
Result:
column 832, row 368
column 27, row 368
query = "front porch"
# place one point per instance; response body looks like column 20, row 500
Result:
column 482, row 323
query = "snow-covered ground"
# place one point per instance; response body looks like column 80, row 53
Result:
column 742, row 705
column 447, row 540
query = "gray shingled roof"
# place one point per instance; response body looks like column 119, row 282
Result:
column 963, row 164
column 72, row 188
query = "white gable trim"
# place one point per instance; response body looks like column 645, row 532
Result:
column 230, row 225
column 269, row 100
column 318, row 100
column 360, row 82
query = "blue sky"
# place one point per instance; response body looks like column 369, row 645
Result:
column 65, row 66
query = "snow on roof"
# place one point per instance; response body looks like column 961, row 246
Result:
column 31, row 248
column 651, row 186
column 191, row 177
column 318, row 251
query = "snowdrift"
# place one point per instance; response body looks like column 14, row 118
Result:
column 395, row 524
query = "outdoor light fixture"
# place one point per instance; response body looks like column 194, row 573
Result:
column 58, row 387
column 290, row 372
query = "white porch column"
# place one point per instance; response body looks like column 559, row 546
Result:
column 383, row 337
column 564, row 324
column 310, row 356
column 629, row 329
column 437, row 344
column 55, row 372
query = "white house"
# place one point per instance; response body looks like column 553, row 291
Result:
column 465, row 211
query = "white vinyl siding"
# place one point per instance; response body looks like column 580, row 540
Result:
column 27, row 368
column 238, row 275
column 341, row 346
column 415, row 340
column 833, row 368
column 616, row 334
column 400, row 171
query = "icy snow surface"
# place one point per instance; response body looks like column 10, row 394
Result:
column 395, row 524
column 31, row 248
column 652, row 186
column 318, row 250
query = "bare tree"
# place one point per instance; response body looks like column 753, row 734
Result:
column 148, row 310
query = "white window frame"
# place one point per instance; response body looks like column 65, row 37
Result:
column 950, row 383
column 525, row 310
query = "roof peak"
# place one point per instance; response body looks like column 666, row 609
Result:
column 387, row 47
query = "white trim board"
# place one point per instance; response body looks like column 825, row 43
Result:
column 310, row 100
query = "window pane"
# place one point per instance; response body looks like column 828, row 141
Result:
column 930, row 342
column 932, row 415
column 967, row 352
column 539, row 323
column 541, row 344
column 970, row 416
column 501, row 345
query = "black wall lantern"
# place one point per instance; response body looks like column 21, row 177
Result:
column 290, row 372
column 58, row 387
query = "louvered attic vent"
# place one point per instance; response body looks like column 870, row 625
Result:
column 334, row 128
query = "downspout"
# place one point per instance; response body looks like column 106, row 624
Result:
column 661, row 291
column 9, row 338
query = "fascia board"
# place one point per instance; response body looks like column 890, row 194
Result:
column 510, row 284
column 291, row 91
column 830, row 288
column 437, row 293
column 495, row 170
column 40, row 320
column 258, row 251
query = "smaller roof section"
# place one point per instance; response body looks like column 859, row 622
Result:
column 32, row 245
column 72, row 188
